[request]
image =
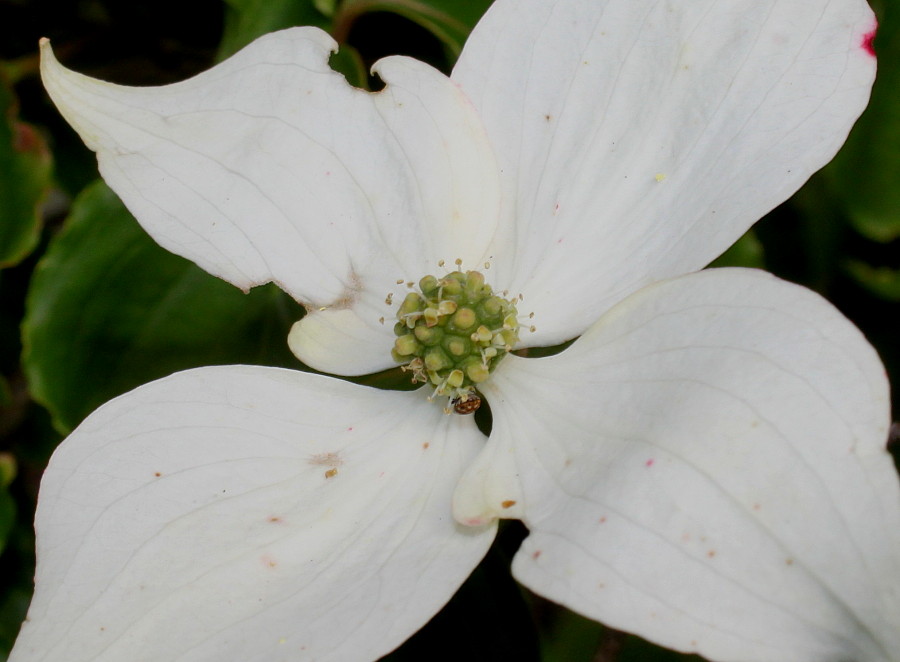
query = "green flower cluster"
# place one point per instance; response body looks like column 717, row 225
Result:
column 454, row 333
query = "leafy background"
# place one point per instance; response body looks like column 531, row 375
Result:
column 90, row 307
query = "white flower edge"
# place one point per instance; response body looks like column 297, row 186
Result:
column 271, row 167
column 706, row 467
column 635, row 140
column 638, row 139
column 216, row 514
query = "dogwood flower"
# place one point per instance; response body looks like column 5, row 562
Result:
column 704, row 466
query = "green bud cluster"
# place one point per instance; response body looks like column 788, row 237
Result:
column 454, row 333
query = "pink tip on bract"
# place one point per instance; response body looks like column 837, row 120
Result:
column 868, row 41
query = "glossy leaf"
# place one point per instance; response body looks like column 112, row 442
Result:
column 109, row 310
column 24, row 179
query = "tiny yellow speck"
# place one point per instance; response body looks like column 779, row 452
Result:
column 660, row 176
column 331, row 473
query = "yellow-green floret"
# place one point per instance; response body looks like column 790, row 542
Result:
column 454, row 332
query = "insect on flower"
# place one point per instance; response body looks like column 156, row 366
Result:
column 468, row 405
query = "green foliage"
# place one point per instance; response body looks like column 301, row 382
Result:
column 747, row 251
column 448, row 20
column 109, row 310
column 7, row 505
column 24, row 180
column 245, row 20
column 883, row 282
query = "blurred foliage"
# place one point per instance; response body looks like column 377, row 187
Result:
column 24, row 180
column 450, row 21
column 7, row 505
column 108, row 310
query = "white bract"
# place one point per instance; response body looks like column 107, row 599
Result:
column 704, row 466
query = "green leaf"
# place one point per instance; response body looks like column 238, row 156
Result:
column 7, row 505
column 24, row 179
column 246, row 20
column 866, row 172
column 109, row 310
column 883, row 282
column 569, row 637
column 348, row 62
column 745, row 252
column 451, row 21
column 639, row 650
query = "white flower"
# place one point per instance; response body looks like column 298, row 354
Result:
column 704, row 466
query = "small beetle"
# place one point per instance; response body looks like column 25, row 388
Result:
column 468, row 406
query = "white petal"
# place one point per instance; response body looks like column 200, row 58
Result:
column 638, row 139
column 341, row 342
column 270, row 167
column 245, row 513
column 706, row 467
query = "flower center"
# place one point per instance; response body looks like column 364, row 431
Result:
column 453, row 334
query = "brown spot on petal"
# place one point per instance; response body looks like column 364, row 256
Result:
column 509, row 503
column 331, row 473
column 425, row 446
column 326, row 460
column 536, row 554
column 346, row 299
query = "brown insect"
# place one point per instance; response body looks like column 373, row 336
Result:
column 468, row 406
